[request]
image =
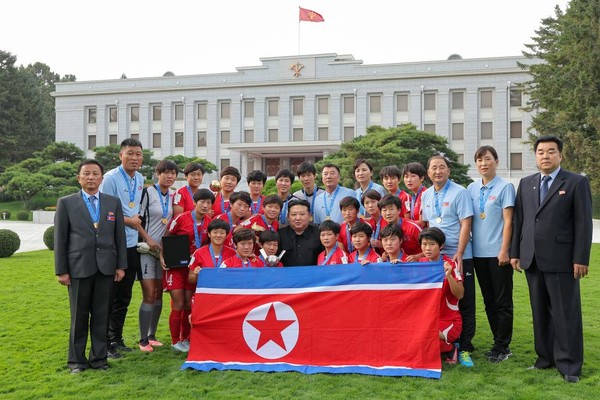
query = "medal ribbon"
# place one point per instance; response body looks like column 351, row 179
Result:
column 482, row 198
column 269, row 226
column 256, row 209
column 165, row 205
column 94, row 209
column 349, row 239
column 413, row 201
column 213, row 256
column 329, row 209
column 196, row 236
column 330, row 255
column 131, row 184
column 438, row 200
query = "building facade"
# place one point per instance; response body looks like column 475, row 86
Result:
column 301, row 108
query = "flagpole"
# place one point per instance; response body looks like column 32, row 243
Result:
column 298, row 30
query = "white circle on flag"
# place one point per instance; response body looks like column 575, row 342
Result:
column 271, row 330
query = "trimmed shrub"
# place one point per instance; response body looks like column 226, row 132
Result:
column 23, row 215
column 49, row 237
column 5, row 214
column 9, row 243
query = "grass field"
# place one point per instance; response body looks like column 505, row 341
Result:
column 34, row 321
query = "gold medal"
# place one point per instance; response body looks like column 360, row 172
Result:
column 482, row 215
column 438, row 220
column 164, row 221
column 131, row 204
column 96, row 224
column 328, row 218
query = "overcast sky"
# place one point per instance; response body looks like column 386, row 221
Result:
column 102, row 40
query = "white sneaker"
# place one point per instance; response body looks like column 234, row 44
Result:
column 186, row 344
column 180, row 346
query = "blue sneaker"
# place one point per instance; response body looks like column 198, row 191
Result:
column 464, row 357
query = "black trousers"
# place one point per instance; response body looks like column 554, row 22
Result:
column 467, row 307
column 496, row 284
column 89, row 301
column 557, row 323
column 122, row 296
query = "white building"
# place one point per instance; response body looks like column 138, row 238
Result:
column 301, row 108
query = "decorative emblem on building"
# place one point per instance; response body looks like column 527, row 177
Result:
column 297, row 68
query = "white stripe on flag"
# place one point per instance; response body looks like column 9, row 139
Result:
column 318, row 289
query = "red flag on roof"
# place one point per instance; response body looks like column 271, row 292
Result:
column 310, row 15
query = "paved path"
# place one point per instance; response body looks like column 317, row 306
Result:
column 32, row 235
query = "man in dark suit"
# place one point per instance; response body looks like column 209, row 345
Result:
column 89, row 256
column 299, row 239
column 551, row 240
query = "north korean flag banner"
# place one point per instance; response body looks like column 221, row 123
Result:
column 379, row 319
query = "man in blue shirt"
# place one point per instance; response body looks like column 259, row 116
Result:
column 327, row 204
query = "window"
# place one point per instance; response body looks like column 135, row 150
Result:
column 156, row 140
column 487, row 130
column 156, row 113
column 516, row 98
column 485, row 98
column 178, row 139
column 91, row 142
column 429, row 128
column 323, row 133
column 225, row 162
column 323, row 105
column 112, row 139
column 516, row 161
column 402, row 102
column 375, row 104
column 298, row 134
column 516, row 129
column 273, row 135
column 249, row 109
column 225, row 110
column 178, row 112
column 113, row 114
column 249, row 136
column 348, row 105
column 91, row 116
column 201, row 110
column 273, row 106
column 348, row 133
column 201, row 138
column 460, row 158
column 135, row 136
column 458, row 100
column 225, row 136
column 134, row 113
column 429, row 101
column 458, row 131
column 298, row 107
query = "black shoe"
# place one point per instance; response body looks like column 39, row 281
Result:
column 112, row 351
column 120, row 345
column 571, row 378
column 496, row 356
column 77, row 370
column 101, row 368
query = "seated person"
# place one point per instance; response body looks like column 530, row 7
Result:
column 211, row 255
column 390, row 208
column 329, row 234
column 269, row 243
column 361, row 239
column 350, row 208
column 243, row 238
column 432, row 241
column 391, row 239
column 267, row 221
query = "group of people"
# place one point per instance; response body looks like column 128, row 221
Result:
column 485, row 230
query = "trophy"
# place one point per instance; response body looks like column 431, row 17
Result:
column 271, row 261
column 215, row 186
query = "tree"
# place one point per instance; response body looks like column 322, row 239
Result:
column 564, row 89
column 108, row 156
column 395, row 146
column 182, row 161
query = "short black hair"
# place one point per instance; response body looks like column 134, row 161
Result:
column 390, row 170
column 329, row 225
column 370, row 194
column 130, row 142
column 243, row 196
column 243, row 234
column 285, row 173
column 268, row 236
column 414, row 168
column 433, row 234
column 166, row 165
column 306, row 168
column 331, row 165
column 349, row 201
column 549, row 138
column 362, row 161
column 273, row 199
column 90, row 162
column 298, row 202
column 480, row 153
column 390, row 200
column 361, row 226
column 232, row 171
column 391, row 230
column 438, row 157
column 204, row 194
column 218, row 223
column 194, row 166
column 256, row 176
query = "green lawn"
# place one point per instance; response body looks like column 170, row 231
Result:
column 34, row 320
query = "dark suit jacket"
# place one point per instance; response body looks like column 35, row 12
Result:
column 559, row 231
column 79, row 249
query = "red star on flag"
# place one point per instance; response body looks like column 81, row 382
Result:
column 270, row 328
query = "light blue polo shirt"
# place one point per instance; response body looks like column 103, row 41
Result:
column 487, row 232
column 454, row 205
column 115, row 185
column 334, row 208
column 359, row 192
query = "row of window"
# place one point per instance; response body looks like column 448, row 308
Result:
column 348, row 106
